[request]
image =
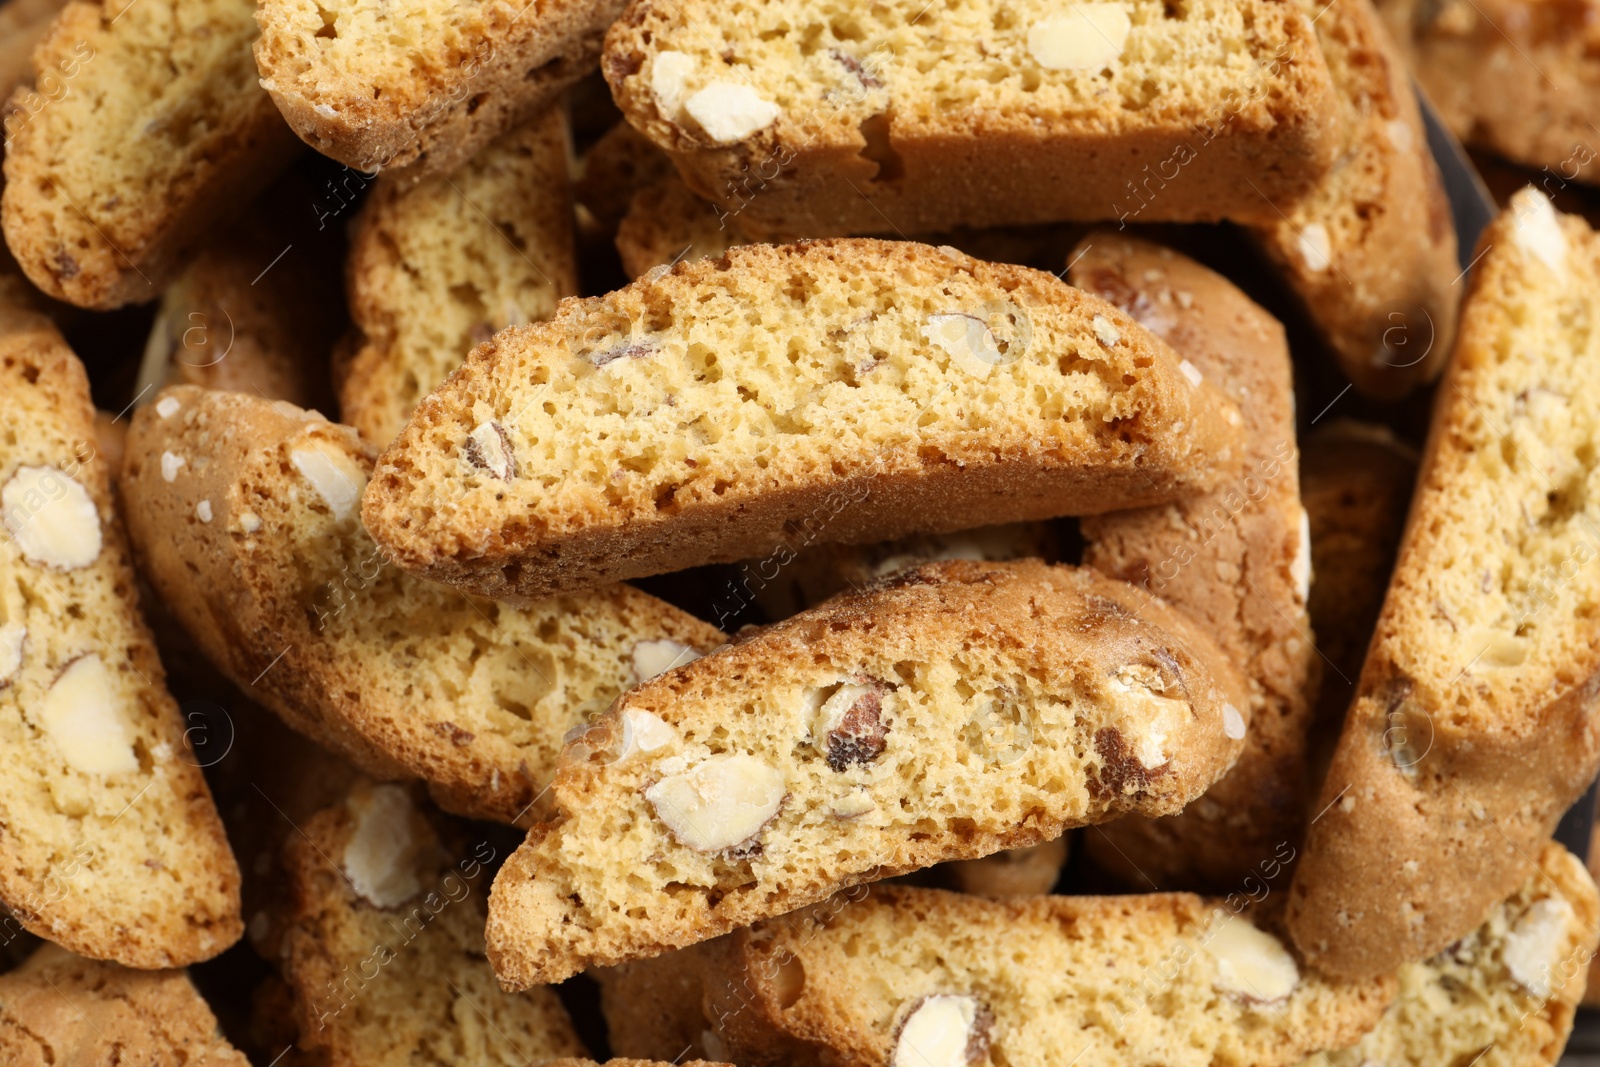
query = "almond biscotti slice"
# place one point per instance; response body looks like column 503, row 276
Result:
column 1502, row 996
column 1016, row 872
column 615, row 167
column 61, row 1010
column 892, row 976
column 1518, row 79
column 667, row 223
column 950, row 712
column 1372, row 251
column 1473, row 726
column 255, row 311
column 419, row 87
column 159, row 133
column 863, row 389
column 244, row 515
column 828, row 119
column 111, row 845
column 1237, row 560
column 439, row 267
column 383, row 944
column 798, row 575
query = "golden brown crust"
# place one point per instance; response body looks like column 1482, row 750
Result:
column 438, row 267
column 112, row 183
column 254, row 543
column 991, row 678
column 112, row 845
column 421, row 108
column 1083, row 411
column 1517, row 78
column 1372, row 252
column 1473, row 726
column 912, row 120
column 60, row 1010
column 1235, row 560
column 380, row 981
column 1057, row 976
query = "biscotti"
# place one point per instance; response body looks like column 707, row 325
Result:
column 801, row 575
column 1515, row 78
column 250, row 314
column 61, row 1010
column 244, row 516
column 950, row 712
column 112, row 847
column 1473, row 726
column 1372, row 252
column 1236, row 560
column 1355, row 481
column 864, row 389
column 160, row 133
column 383, row 945
column 418, row 88
column 890, row 976
column 1502, row 996
column 828, row 119
column 615, row 167
column 1016, row 872
column 439, row 267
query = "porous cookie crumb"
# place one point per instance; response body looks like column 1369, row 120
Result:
column 859, row 389
column 947, row 713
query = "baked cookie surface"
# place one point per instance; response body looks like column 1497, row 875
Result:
column 1473, row 727
column 862, row 389
column 244, row 514
column 948, row 713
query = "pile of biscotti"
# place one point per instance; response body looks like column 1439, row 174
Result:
column 824, row 537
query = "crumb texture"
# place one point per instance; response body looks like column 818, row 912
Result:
column 950, row 712
column 860, row 389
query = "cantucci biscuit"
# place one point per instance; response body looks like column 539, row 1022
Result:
column 833, row 119
column 247, row 315
column 615, row 167
column 1236, row 560
column 383, row 945
column 439, row 267
column 796, row 577
column 666, row 223
column 245, row 516
column 61, row 1010
column 1514, row 78
column 1473, row 727
column 1355, row 480
column 112, row 846
column 1502, row 996
column 948, row 713
column 158, row 131
column 865, row 389
column 1372, row 252
column 890, row 975
column 1016, row 872
column 418, row 88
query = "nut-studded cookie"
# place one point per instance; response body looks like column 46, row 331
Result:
column 1474, row 723
column 61, row 1010
column 1516, row 78
column 891, row 976
column 1355, row 481
column 1372, row 252
column 1502, row 996
column 439, row 267
column 1016, row 872
column 952, row 711
column 244, row 515
column 382, row 945
column 831, row 119
column 111, row 844
column 144, row 128
column 1236, row 560
column 865, row 389
column 418, row 88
